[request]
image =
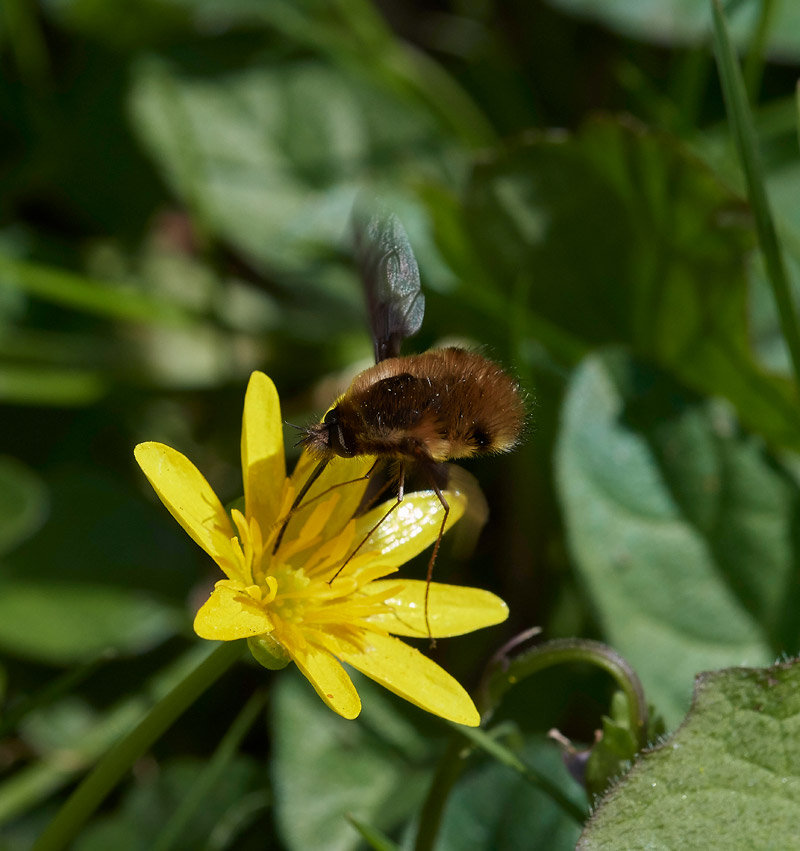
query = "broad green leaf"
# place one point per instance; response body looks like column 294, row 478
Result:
column 269, row 159
column 494, row 807
column 99, row 531
column 23, row 503
column 315, row 760
column 619, row 235
column 727, row 778
column 61, row 622
column 689, row 21
column 681, row 527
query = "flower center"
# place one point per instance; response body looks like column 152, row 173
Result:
column 292, row 595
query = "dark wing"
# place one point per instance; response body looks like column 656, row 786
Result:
column 391, row 280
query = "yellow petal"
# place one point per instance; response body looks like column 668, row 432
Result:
column 330, row 680
column 452, row 609
column 190, row 500
column 263, row 465
column 229, row 614
column 345, row 475
column 408, row 530
column 406, row 672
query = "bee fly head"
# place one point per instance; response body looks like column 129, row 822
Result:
column 328, row 437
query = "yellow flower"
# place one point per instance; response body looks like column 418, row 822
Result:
column 286, row 605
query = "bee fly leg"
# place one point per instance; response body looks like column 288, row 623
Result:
column 315, row 474
column 401, row 486
column 431, row 475
column 373, row 494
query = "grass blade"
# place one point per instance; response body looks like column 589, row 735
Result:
column 743, row 131
column 86, row 294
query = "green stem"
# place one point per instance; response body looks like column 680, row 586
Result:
column 212, row 773
column 447, row 772
column 689, row 81
column 113, row 766
column 503, row 674
column 754, row 61
column 505, row 756
column 25, row 39
column 744, row 135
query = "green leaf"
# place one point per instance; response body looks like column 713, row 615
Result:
column 680, row 526
column 380, row 764
column 100, row 532
column 611, row 756
column 23, row 503
column 644, row 239
column 689, row 21
column 495, row 807
column 269, row 159
column 61, row 622
column 728, row 778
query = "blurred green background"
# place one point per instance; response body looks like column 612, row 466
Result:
column 176, row 178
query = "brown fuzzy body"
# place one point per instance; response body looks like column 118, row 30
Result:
column 442, row 405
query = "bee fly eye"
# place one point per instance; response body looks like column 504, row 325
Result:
column 336, row 439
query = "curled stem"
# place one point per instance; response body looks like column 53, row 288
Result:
column 501, row 674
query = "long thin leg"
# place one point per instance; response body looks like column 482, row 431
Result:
column 315, row 474
column 400, row 494
column 364, row 507
column 317, row 471
column 446, row 506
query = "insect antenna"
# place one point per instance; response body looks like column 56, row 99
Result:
column 298, row 429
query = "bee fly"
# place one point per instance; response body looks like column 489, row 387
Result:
column 415, row 410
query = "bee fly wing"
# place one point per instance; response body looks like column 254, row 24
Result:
column 390, row 275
